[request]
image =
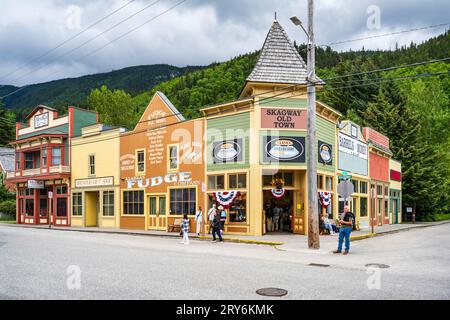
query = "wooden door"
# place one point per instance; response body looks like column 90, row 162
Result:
column 298, row 219
column 157, row 212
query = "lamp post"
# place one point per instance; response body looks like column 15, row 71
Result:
column 313, row 217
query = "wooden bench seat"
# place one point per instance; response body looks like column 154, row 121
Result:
column 175, row 226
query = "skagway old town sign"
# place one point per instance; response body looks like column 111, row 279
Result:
column 174, row 178
column 276, row 118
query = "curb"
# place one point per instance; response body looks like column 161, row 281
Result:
column 363, row 236
column 238, row 240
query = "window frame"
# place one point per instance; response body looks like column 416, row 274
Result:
column 182, row 201
column 109, row 205
column 169, row 157
column 215, row 181
column 132, row 203
column 60, row 157
column 78, row 206
column 144, row 161
column 91, row 166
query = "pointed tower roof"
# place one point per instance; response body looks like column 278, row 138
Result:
column 279, row 61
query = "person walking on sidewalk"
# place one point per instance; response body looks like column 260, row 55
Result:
column 185, row 228
column 211, row 214
column 216, row 227
column 345, row 230
column 199, row 220
column 223, row 218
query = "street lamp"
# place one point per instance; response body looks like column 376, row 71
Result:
column 313, row 217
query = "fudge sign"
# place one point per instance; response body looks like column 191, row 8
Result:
column 277, row 118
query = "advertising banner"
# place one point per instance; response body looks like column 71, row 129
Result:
column 284, row 149
column 227, row 151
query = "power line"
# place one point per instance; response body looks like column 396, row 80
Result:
column 110, row 42
column 91, row 39
column 388, row 68
column 384, row 34
column 67, row 40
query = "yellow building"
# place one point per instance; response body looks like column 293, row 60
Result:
column 96, row 177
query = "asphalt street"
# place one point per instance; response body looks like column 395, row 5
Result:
column 52, row 264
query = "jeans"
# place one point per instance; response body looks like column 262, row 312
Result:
column 344, row 233
column 329, row 227
column 216, row 231
column 199, row 227
column 185, row 237
column 276, row 223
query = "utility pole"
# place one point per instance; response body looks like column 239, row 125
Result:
column 313, row 217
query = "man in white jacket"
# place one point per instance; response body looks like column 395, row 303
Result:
column 199, row 219
column 211, row 213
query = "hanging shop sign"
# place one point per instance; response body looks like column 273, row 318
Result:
column 325, row 198
column 94, row 182
column 352, row 146
column 227, row 151
column 172, row 178
column 225, row 198
column 277, row 118
column 325, row 153
column 35, row 184
column 284, row 149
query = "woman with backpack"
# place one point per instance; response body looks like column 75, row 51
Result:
column 223, row 218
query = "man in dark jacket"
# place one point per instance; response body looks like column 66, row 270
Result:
column 346, row 228
column 216, row 227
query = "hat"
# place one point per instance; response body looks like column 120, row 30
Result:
column 220, row 208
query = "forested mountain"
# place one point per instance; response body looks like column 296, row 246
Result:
column 74, row 91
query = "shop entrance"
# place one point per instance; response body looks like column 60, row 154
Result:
column 157, row 210
column 278, row 211
column 92, row 208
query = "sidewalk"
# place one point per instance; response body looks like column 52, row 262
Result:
column 273, row 239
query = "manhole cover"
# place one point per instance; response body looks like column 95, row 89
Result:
column 378, row 265
column 271, row 292
column 319, row 265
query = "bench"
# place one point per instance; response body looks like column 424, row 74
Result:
column 175, row 226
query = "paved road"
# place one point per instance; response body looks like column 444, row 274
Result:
column 33, row 265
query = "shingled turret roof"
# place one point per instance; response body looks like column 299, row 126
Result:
column 279, row 61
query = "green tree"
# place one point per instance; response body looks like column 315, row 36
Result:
column 114, row 107
column 7, row 126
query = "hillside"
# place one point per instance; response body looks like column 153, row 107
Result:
column 61, row 93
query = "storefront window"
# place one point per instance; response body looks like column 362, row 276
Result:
column 216, row 182
column 17, row 161
column 267, row 180
column 379, row 190
column 319, row 182
column 363, row 186
column 363, row 207
column 77, row 204
column 288, row 179
column 61, row 207
column 355, row 186
column 380, row 205
column 108, row 203
column 133, row 202
column 29, row 207
column 182, row 201
column 152, row 204
column 238, row 209
column 61, row 189
column 329, row 183
column 237, row 181
column 386, row 208
column 56, row 156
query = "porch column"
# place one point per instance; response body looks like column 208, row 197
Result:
column 36, row 206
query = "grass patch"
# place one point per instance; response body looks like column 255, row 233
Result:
column 8, row 219
column 442, row 217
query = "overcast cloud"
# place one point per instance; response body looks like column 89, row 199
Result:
column 197, row 32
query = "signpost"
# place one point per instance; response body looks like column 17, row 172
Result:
column 50, row 196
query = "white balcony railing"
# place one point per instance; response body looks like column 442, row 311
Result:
column 37, row 171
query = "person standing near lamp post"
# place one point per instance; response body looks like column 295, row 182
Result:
column 198, row 220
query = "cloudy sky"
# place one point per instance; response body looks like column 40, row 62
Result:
column 197, row 32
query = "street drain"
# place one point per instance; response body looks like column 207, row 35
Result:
column 319, row 265
column 377, row 265
column 271, row 292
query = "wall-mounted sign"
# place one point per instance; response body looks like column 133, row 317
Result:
column 396, row 175
column 325, row 153
column 172, row 178
column 35, row 184
column 41, row 120
column 352, row 146
column 284, row 149
column 227, row 151
column 277, row 118
column 127, row 162
column 94, row 182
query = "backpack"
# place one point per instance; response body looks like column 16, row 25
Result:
column 353, row 221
